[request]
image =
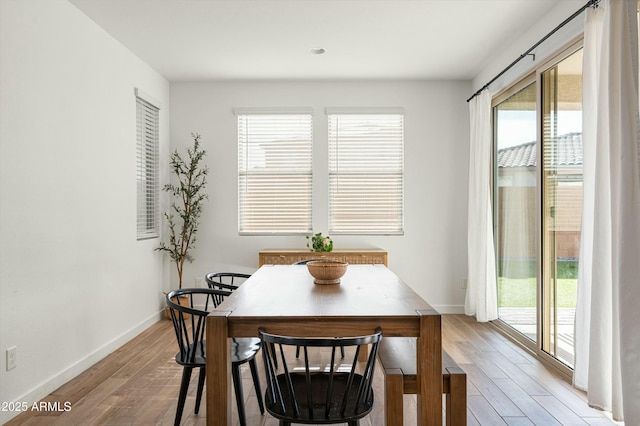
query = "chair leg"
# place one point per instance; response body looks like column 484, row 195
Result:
column 354, row 423
column 256, row 383
column 203, row 374
column 237, row 386
column 184, row 386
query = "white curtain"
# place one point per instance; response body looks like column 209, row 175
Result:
column 607, row 363
column 481, row 299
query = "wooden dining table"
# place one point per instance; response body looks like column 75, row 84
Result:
column 283, row 299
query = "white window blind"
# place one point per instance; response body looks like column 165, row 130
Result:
column 147, row 123
column 366, row 173
column 274, row 173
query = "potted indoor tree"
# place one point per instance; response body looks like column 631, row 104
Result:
column 187, row 194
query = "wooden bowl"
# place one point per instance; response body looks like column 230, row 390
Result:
column 327, row 271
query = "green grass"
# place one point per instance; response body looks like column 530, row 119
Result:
column 521, row 292
column 517, row 283
column 527, row 268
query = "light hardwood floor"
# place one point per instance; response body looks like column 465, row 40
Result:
column 138, row 385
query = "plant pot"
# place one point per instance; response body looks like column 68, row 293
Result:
column 182, row 301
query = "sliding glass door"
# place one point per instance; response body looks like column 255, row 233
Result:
column 537, row 204
column 515, row 188
column 561, row 202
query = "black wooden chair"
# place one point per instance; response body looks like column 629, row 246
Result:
column 189, row 314
column 312, row 394
column 228, row 281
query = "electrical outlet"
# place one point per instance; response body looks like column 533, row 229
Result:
column 200, row 283
column 12, row 358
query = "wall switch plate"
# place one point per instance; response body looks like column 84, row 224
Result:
column 464, row 284
column 12, row 358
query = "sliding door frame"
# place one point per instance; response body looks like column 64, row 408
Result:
column 542, row 299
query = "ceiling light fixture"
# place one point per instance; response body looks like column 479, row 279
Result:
column 317, row 50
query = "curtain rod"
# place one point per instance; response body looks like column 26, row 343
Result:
column 590, row 3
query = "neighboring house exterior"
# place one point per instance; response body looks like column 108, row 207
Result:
column 516, row 185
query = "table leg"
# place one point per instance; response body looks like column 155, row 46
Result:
column 393, row 395
column 218, row 371
column 457, row 399
column 429, row 369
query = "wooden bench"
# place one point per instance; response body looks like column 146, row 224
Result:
column 397, row 355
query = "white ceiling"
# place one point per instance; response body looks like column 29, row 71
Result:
column 188, row 40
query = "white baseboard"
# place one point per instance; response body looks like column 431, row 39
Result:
column 449, row 309
column 50, row 385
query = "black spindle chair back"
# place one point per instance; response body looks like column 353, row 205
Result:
column 341, row 392
column 189, row 322
column 227, row 281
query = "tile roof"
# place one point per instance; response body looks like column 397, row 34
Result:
column 569, row 153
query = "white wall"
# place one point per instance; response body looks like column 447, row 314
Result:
column 74, row 282
column 431, row 256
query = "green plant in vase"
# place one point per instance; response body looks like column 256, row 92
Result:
column 319, row 243
column 188, row 196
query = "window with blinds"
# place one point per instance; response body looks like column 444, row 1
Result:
column 366, row 173
column 147, row 123
column 274, row 172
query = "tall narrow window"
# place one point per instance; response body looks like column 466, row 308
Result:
column 274, row 172
column 147, row 123
column 366, row 172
